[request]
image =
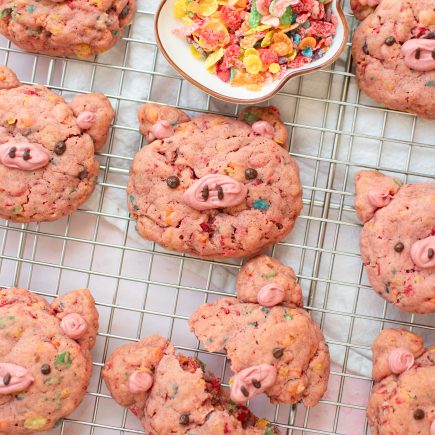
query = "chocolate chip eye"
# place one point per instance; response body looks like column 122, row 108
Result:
column 60, row 148
column 83, row 174
column 184, row 419
column 365, row 48
column 124, row 12
column 399, row 247
column 173, row 182
column 390, row 40
column 278, row 352
column 45, row 369
column 418, row 414
column 251, row 173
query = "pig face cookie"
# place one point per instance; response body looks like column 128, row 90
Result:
column 398, row 239
column 394, row 55
column 273, row 344
column 45, row 357
column 172, row 394
column 62, row 28
column 47, row 163
column 402, row 401
column 213, row 187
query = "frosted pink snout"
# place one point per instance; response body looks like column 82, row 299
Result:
column 400, row 360
column 252, row 381
column 379, row 197
column 423, row 253
column 74, row 326
column 270, row 295
column 263, row 128
column 215, row 191
column 23, row 155
column 14, row 378
column 418, row 54
column 140, row 382
column 86, row 120
column 162, row 129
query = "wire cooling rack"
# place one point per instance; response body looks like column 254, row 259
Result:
column 141, row 289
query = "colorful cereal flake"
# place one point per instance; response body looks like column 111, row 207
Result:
column 251, row 43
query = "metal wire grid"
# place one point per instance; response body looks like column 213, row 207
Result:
column 316, row 246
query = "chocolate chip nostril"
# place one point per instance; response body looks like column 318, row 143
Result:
column 12, row 152
column 26, row 154
column 7, row 379
column 244, row 391
column 256, row 384
column 220, row 192
column 205, row 193
column 418, row 53
column 430, row 253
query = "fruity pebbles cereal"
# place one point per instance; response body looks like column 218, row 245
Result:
column 254, row 42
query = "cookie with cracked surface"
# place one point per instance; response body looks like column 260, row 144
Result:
column 398, row 239
column 212, row 187
column 273, row 344
column 394, row 51
column 47, row 162
column 402, row 399
column 172, row 394
column 65, row 28
column 45, row 357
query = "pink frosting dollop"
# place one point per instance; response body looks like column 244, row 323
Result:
column 418, row 54
column 432, row 428
column 400, row 360
column 140, row 382
column 74, row 326
column 263, row 128
column 86, row 120
column 265, row 374
column 23, row 155
column 423, row 253
column 20, row 378
column 379, row 197
column 270, row 295
column 162, row 129
column 234, row 192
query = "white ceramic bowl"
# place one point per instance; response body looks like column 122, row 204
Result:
column 177, row 52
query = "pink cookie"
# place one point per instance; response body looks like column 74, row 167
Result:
column 214, row 188
column 47, row 163
column 45, row 363
column 172, row 394
column 402, row 400
column 62, row 28
column 393, row 52
column 278, row 350
column 397, row 241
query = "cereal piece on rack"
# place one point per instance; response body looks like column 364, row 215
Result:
column 215, row 188
column 46, row 360
column 47, row 163
column 272, row 343
column 402, row 400
column 65, row 28
column 172, row 394
column 398, row 239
